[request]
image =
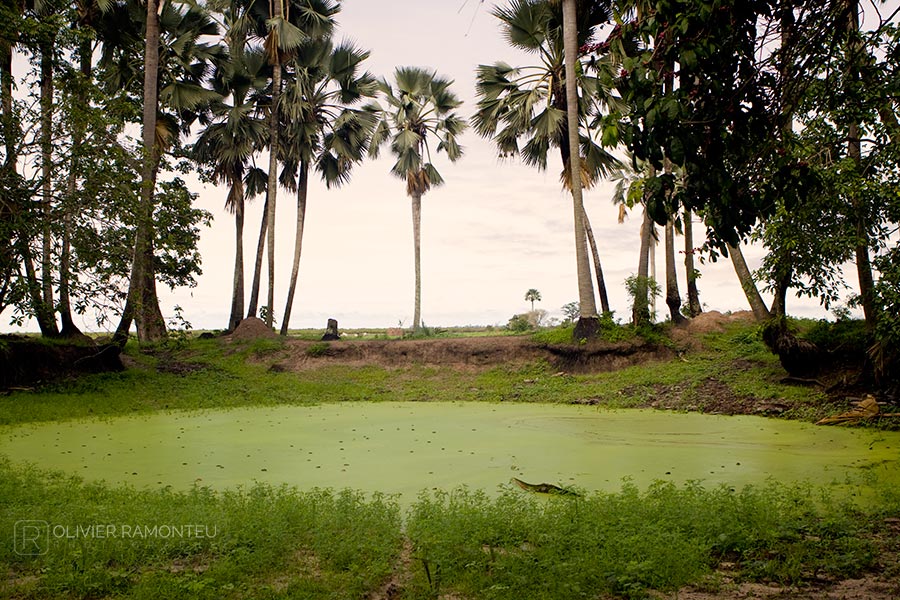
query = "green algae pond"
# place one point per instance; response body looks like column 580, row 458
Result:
column 403, row 448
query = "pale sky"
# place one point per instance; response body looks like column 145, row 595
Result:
column 494, row 230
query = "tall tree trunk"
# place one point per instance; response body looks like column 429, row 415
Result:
column 598, row 270
column 417, row 236
column 302, row 188
column 854, row 151
column 69, row 329
column 693, row 295
column 237, row 288
column 9, row 207
column 43, row 313
column 673, row 297
column 783, row 259
column 6, row 103
column 253, row 306
column 779, row 301
column 760, row 312
column 640, row 310
column 46, row 50
column 144, row 302
column 588, row 324
column 272, row 187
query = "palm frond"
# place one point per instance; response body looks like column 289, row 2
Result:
column 187, row 96
column 431, row 174
column 283, row 35
column 524, row 23
column 255, row 182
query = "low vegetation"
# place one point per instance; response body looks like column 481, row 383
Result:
column 280, row 542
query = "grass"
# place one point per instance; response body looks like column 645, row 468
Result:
column 625, row 543
column 279, row 542
column 214, row 376
column 276, row 541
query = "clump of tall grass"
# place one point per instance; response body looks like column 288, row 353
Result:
column 193, row 544
column 628, row 542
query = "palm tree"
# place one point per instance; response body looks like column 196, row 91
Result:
column 322, row 130
column 587, row 324
column 532, row 296
column 533, row 103
column 420, row 108
column 284, row 25
column 229, row 144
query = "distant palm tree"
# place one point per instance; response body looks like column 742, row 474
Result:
column 532, row 296
column 419, row 108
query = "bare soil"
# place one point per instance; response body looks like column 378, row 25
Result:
column 469, row 354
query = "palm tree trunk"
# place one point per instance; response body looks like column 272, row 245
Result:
column 302, row 188
column 640, row 311
column 252, row 308
column 588, row 323
column 237, row 288
column 654, row 242
column 272, row 188
column 760, row 312
column 693, row 295
column 673, row 297
column 417, row 232
column 598, row 269
column 142, row 289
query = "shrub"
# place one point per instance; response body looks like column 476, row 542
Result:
column 318, row 349
column 519, row 324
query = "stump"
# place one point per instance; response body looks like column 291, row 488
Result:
column 331, row 331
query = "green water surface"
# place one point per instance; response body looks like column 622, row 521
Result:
column 406, row 447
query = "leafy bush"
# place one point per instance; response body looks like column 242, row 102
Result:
column 884, row 352
column 519, row 324
column 635, row 286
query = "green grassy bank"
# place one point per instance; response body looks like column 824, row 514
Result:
column 61, row 537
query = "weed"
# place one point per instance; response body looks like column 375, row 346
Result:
column 627, row 542
column 238, row 538
column 317, row 350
